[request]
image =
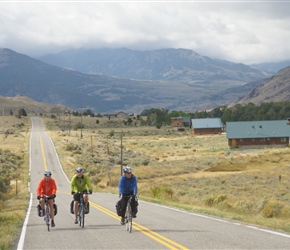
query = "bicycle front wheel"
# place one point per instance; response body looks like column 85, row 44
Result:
column 81, row 216
column 129, row 219
column 47, row 219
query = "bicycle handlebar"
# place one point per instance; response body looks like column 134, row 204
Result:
column 47, row 197
column 85, row 192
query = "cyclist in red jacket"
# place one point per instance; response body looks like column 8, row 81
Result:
column 47, row 187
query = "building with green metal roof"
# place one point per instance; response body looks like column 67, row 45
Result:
column 206, row 126
column 258, row 133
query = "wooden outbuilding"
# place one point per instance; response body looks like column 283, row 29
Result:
column 120, row 114
column 206, row 126
column 180, row 123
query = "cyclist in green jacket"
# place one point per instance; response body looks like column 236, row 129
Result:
column 80, row 183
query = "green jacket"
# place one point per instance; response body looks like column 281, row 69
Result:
column 82, row 185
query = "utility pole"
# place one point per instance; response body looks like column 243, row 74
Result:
column 82, row 108
column 121, row 152
column 3, row 125
column 81, row 126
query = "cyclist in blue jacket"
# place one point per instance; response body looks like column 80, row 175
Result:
column 128, row 186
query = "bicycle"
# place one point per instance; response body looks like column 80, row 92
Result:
column 81, row 212
column 47, row 211
column 128, row 215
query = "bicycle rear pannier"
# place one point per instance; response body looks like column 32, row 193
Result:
column 38, row 207
column 118, row 207
column 72, row 207
column 55, row 208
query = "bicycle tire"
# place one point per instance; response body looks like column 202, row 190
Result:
column 47, row 218
column 81, row 216
column 129, row 218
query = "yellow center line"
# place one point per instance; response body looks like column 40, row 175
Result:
column 43, row 155
column 158, row 237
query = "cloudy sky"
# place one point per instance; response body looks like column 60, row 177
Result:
column 238, row 31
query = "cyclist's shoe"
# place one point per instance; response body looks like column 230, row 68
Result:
column 122, row 221
column 52, row 223
column 134, row 215
column 76, row 221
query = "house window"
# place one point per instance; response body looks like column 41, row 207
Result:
column 253, row 139
column 262, row 139
column 283, row 139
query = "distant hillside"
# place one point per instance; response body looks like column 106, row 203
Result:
column 13, row 104
column 276, row 89
column 23, row 75
column 178, row 65
column 272, row 67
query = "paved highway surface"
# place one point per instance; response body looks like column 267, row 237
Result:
column 156, row 226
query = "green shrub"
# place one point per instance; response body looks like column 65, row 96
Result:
column 156, row 192
column 214, row 199
column 272, row 209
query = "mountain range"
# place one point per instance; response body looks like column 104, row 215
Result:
column 112, row 80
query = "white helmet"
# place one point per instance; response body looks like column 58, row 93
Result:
column 127, row 169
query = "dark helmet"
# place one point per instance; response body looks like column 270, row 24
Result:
column 47, row 173
column 79, row 169
column 127, row 169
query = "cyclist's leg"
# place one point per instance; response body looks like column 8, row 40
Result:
column 124, row 201
column 51, row 210
column 76, row 205
column 86, row 200
column 41, row 202
column 50, row 203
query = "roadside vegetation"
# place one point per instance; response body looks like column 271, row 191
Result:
column 194, row 173
column 14, row 195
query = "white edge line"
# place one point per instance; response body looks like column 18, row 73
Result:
column 23, row 232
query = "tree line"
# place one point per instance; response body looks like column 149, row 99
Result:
column 248, row 112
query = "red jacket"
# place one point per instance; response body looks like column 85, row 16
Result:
column 46, row 187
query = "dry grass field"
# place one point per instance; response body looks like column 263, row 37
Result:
column 195, row 173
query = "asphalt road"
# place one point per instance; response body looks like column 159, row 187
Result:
column 156, row 227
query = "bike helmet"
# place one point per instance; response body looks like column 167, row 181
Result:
column 79, row 169
column 127, row 169
column 47, row 173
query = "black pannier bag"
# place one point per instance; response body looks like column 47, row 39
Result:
column 118, row 207
column 38, row 207
column 72, row 207
column 55, row 208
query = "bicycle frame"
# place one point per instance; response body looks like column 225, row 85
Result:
column 81, row 212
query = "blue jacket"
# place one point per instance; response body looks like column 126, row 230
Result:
column 128, row 186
